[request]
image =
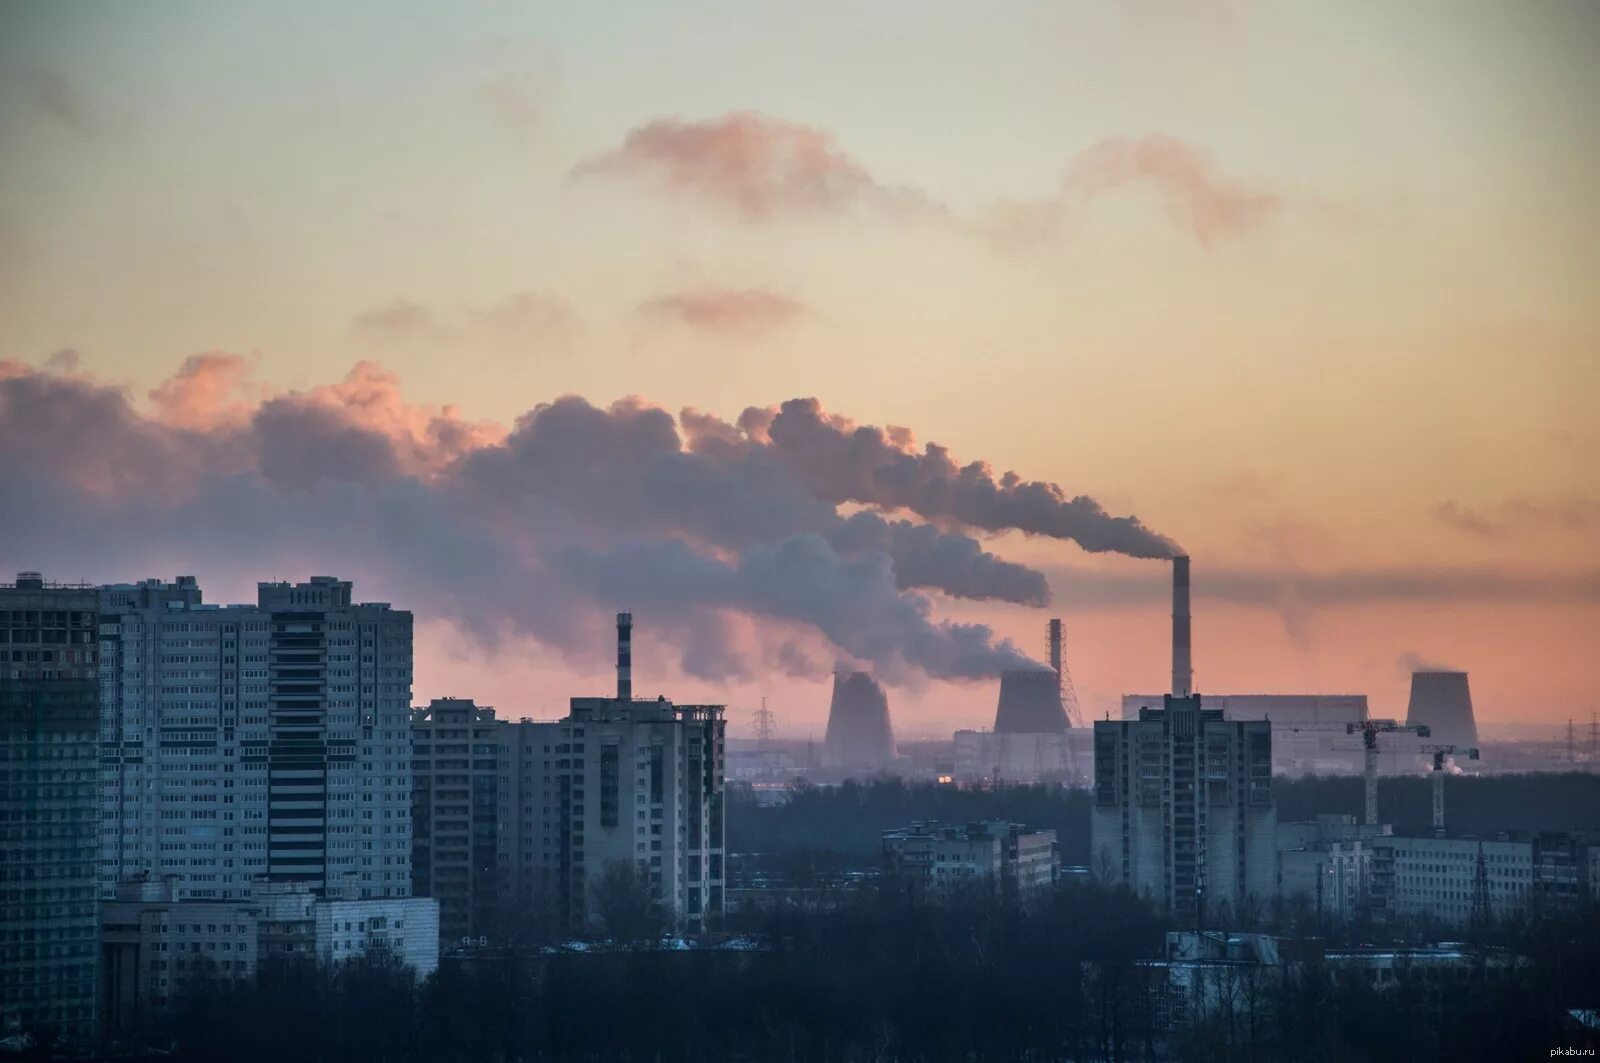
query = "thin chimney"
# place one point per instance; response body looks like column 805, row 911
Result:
column 624, row 656
column 1182, row 661
column 1055, row 649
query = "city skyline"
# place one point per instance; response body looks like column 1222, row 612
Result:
column 1105, row 247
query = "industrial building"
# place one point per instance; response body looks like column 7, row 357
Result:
column 860, row 737
column 240, row 741
column 1035, row 735
column 1183, row 811
column 49, row 732
column 155, row 943
column 937, row 860
column 1442, row 702
column 1308, row 736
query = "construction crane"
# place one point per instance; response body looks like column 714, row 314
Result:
column 1439, row 753
column 1369, row 731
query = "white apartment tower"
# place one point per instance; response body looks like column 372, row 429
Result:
column 243, row 741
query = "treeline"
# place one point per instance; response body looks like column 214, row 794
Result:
column 885, row 978
column 1473, row 804
column 848, row 821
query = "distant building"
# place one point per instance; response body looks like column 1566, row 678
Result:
column 1455, row 879
column 1442, row 702
column 49, row 812
column 859, row 736
column 155, row 944
column 983, row 757
column 241, row 741
column 1183, row 810
column 936, row 859
column 1328, row 863
column 1307, row 736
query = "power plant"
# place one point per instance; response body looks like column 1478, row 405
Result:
column 1030, row 703
column 1442, row 702
column 859, row 736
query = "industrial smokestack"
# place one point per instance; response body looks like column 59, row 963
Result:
column 1182, row 661
column 624, row 656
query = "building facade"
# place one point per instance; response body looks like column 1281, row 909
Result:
column 156, row 943
column 241, row 741
column 638, row 781
column 938, row 860
column 1328, row 863
column 477, row 816
column 1183, row 810
column 49, row 719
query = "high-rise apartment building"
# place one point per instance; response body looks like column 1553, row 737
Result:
column 1183, row 808
column 476, row 816
column 241, row 741
column 49, row 713
column 642, row 782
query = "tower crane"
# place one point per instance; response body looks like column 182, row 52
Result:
column 1369, row 730
column 1439, row 753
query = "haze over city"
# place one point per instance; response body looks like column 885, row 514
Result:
column 1110, row 247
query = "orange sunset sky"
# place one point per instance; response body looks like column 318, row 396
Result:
column 1310, row 289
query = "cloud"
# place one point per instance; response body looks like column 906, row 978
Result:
column 844, row 462
column 537, row 533
column 1209, row 206
column 754, row 168
column 525, row 318
column 1268, row 587
column 1411, row 661
column 1522, row 515
column 206, row 392
column 399, row 320
column 57, row 97
column 521, row 320
column 724, row 310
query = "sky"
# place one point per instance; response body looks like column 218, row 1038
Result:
column 1307, row 288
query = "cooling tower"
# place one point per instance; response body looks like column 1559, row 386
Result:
column 1442, row 701
column 1030, row 703
column 859, row 736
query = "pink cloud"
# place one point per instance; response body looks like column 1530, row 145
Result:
column 1196, row 197
column 725, row 310
column 756, row 167
column 208, row 391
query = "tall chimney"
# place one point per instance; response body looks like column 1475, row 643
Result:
column 624, row 656
column 1182, row 664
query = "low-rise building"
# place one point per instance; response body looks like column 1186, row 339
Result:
column 936, row 859
column 154, row 944
column 1327, row 863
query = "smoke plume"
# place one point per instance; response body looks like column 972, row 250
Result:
column 541, row 531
